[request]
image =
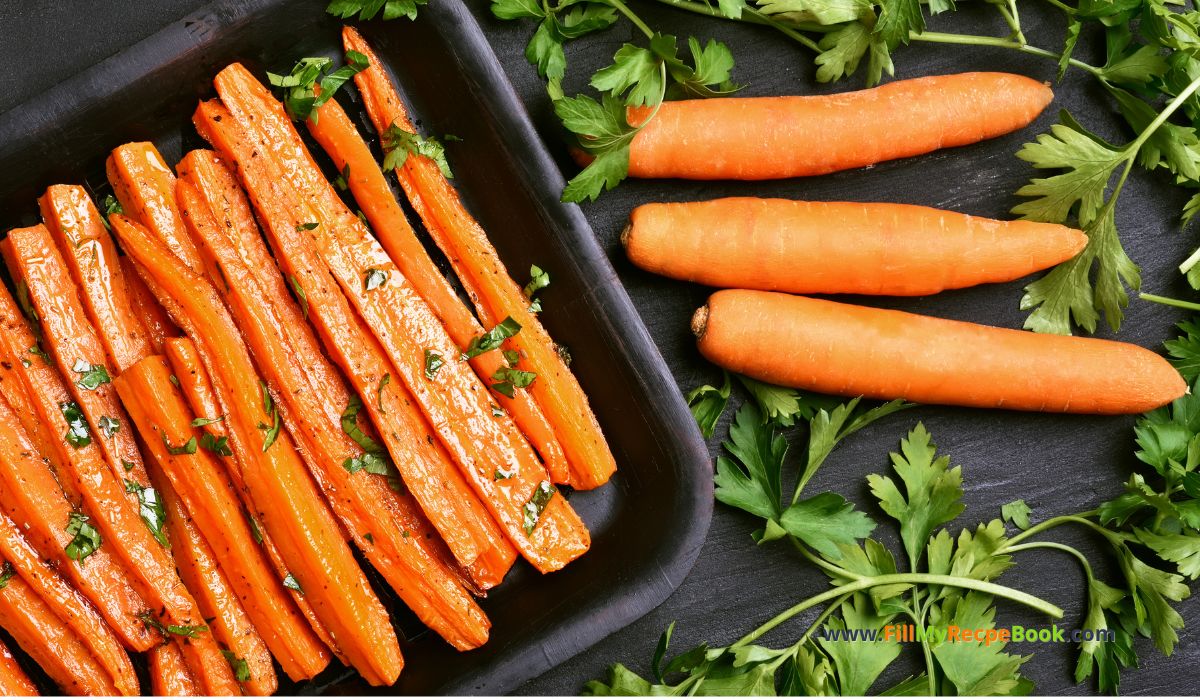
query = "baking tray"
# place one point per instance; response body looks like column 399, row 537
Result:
column 649, row 523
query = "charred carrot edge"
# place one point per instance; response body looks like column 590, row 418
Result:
column 340, row 139
column 88, row 250
column 50, row 642
column 117, row 519
column 312, row 391
column 69, row 605
column 33, row 259
column 203, row 486
column 145, row 187
column 32, row 494
column 158, row 322
column 218, row 603
column 405, row 429
column 399, row 317
column 427, row 471
column 13, row 681
column 282, row 492
column 169, row 675
column 496, row 295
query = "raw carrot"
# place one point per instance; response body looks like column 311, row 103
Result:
column 69, row 605
column 210, row 500
column 838, row 247
column 145, row 187
column 765, row 138
column 13, row 681
column 454, row 399
column 339, row 138
column 282, row 492
column 496, row 295
column 158, row 322
column 88, row 250
column 314, row 397
column 248, row 654
column 33, row 497
column 169, row 675
column 849, row 350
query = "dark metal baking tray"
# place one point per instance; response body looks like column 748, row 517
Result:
column 649, row 523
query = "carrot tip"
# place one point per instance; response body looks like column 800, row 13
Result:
column 700, row 321
column 625, row 234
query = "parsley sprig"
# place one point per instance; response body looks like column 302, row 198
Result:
column 300, row 86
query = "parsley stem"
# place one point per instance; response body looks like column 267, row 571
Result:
column 997, row 42
column 621, row 7
column 1168, row 301
column 1065, row 8
column 1162, row 117
column 828, row 567
column 751, row 15
column 1053, row 523
column 1087, row 566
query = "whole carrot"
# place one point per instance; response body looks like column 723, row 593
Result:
column 765, row 138
column 838, row 247
column 851, row 350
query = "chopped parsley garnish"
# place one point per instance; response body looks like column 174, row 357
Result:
column 307, row 227
column 272, row 430
column 387, row 379
column 111, row 205
column 537, row 503
column 174, row 380
column 290, row 582
column 374, row 279
column 342, row 181
column 91, row 377
column 241, row 669
column 300, row 295
column 350, row 426
column 37, row 350
column 187, row 448
column 109, row 426
column 6, row 574
column 300, row 97
column 399, row 143
column 492, row 339
column 255, row 531
column 433, row 362
column 188, row 631
column 512, row 357
column 216, row 445
column 150, row 508
column 509, row 379
column 128, row 465
column 504, row 474
column 85, row 538
column 539, row 279
column 497, row 412
column 201, row 422
column 369, row 537
column 78, row 433
column 370, row 462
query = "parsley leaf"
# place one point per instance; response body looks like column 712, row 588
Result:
column 300, row 94
column 91, row 377
column 1016, row 513
column 508, row 379
column 188, row 448
column 216, row 445
column 109, row 426
column 85, row 539
column 539, row 280
column 374, row 279
column 78, row 433
column 239, row 666
column 826, row 522
column 1185, row 350
column 400, row 143
column 201, row 422
column 151, row 509
column 290, row 582
column 433, row 362
column 707, row 404
column 752, row 482
column 367, row 9
column 532, row 510
column 492, row 339
column 6, row 574
column 301, row 296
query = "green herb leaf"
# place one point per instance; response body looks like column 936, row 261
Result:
column 707, row 404
column 239, row 666
column 507, row 380
column 532, row 511
column 752, row 482
column 290, row 582
column 188, row 448
column 78, row 433
column 367, row 9
column 350, row 427
column 6, row 574
column 151, row 509
column 216, row 445
column 1016, row 513
column 201, row 422
column 539, row 279
column 109, row 426
column 399, row 144
column 433, row 362
column 492, row 339
column 826, row 522
column 85, row 539
column 91, row 377
column 300, row 95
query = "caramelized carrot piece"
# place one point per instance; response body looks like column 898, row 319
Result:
column 535, row 517
column 209, row 499
column 158, row 322
column 145, row 187
column 169, row 675
column 13, row 681
column 247, row 652
column 339, row 138
column 494, row 292
column 282, row 492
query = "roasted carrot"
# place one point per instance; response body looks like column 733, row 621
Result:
column 50, row 642
column 496, row 296
column 314, row 396
column 169, row 675
column 283, row 494
column 838, row 247
column 33, row 497
column 69, row 605
column 765, row 138
column 454, row 399
column 244, row 263
column 13, row 681
column 211, row 502
column 88, row 250
column 247, row 652
column 339, row 138
column 158, row 322
column 145, row 187
column 851, row 350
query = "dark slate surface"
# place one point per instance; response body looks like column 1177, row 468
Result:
column 1057, row 464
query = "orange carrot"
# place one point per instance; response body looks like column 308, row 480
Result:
column 33, row 497
column 248, row 654
column 88, row 250
column 338, row 136
column 13, row 681
column 838, row 247
column 145, row 187
column 486, row 280
column 453, row 398
column 283, row 494
column 765, row 138
column 852, row 350
column 169, row 675
column 211, row 502
column 158, row 322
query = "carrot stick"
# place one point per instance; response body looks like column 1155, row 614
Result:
column 158, row 322
column 33, row 497
column 145, row 187
column 50, row 642
column 339, row 138
column 312, row 391
column 496, row 295
column 169, row 675
column 88, row 250
column 764, row 138
column 455, row 400
column 247, row 653
column 210, row 500
column 13, row 681
column 838, row 247
column 852, row 350
column 69, row 605
column 282, row 493
column 197, row 387
column 246, row 266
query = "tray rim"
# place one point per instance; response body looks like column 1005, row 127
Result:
column 542, row 177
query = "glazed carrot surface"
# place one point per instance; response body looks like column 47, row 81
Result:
column 13, row 681
column 764, row 138
column 169, row 675
column 496, row 296
column 158, row 322
column 146, row 188
column 838, row 247
column 849, row 350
